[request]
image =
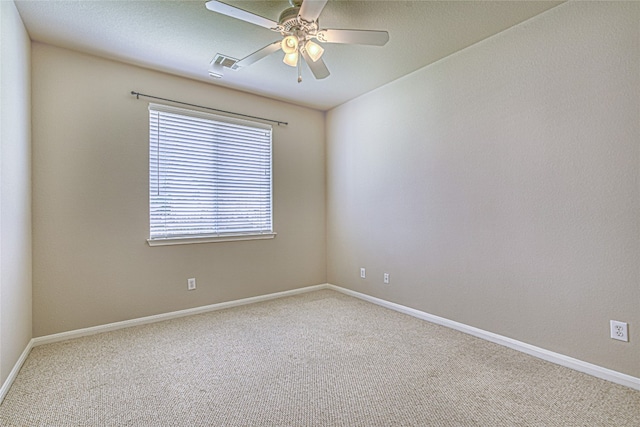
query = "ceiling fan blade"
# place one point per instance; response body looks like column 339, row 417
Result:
column 311, row 9
column 318, row 68
column 259, row 54
column 243, row 15
column 374, row 38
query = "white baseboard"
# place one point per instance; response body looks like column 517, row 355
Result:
column 541, row 353
column 550, row 356
column 14, row 372
column 47, row 339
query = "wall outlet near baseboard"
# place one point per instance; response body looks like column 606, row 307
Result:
column 191, row 284
column 363, row 273
column 619, row 331
column 385, row 278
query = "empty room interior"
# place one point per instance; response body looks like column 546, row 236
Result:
column 478, row 172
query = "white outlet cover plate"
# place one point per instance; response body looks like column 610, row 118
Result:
column 619, row 331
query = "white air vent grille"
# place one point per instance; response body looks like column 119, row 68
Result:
column 225, row 61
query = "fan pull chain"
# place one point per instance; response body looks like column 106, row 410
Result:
column 299, row 71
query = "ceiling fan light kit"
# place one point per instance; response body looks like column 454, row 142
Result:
column 298, row 25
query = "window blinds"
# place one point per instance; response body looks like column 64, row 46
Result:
column 208, row 175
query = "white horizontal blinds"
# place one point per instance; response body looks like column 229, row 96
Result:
column 209, row 175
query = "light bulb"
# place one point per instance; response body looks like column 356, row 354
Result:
column 314, row 50
column 289, row 44
column 291, row 59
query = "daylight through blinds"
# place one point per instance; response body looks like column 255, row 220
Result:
column 208, row 175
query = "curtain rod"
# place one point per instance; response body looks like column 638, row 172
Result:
column 278, row 122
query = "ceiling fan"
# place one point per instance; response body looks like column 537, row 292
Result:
column 299, row 26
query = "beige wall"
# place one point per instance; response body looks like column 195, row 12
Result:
column 15, row 189
column 92, row 264
column 499, row 186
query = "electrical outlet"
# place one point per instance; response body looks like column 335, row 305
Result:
column 363, row 273
column 619, row 331
column 191, row 284
column 386, row 278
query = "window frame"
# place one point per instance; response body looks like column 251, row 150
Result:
column 181, row 239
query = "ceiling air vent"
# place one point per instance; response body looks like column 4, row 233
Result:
column 219, row 63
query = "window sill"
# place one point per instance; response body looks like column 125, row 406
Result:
column 209, row 239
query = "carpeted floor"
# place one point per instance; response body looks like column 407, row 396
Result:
column 316, row 359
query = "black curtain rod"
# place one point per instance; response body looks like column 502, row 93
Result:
column 278, row 122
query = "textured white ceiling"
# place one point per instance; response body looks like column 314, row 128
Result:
column 182, row 37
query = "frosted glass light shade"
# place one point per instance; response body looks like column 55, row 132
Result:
column 289, row 44
column 291, row 59
column 314, row 50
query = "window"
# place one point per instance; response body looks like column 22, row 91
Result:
column 209, row 177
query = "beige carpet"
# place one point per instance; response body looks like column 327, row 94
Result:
column 317, row 359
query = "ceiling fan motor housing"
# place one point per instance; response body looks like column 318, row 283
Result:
column 289, row 18
column 291, row 24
